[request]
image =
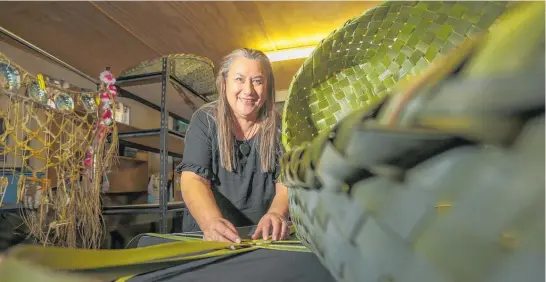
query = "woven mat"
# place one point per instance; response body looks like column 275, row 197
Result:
column 194, row 71
column 364, row 58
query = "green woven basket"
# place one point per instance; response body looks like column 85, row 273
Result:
column 194, row 71
column 444, row 180
column 357, row 63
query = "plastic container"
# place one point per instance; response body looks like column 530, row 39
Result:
column 13, row 182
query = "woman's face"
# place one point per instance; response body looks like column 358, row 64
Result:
column 246, row 87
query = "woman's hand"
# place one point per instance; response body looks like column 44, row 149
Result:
column 274, row 222
column 221, row 230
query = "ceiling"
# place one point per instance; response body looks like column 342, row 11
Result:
column 92, row 35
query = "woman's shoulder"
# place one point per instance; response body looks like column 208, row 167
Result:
column 206, row 115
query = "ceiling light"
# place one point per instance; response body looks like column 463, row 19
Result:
column 290, row 54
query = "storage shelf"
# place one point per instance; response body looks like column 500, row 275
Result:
column 149, row 139
column 157, row 90
column 181, row 100
column 131, row 159
column 142, row 208
column 117, row 209
column 10, row 207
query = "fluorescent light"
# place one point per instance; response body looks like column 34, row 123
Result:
column 290, row 54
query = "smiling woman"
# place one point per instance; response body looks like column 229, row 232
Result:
column 231, row 156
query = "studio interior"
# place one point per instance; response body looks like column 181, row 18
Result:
column 309, row 141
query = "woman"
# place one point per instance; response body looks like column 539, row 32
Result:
column 231, row 156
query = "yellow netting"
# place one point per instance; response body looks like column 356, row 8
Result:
column 48, row 133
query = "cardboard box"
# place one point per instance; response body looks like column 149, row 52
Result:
column 177, row 188
column 130, row 175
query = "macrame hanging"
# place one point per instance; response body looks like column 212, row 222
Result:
column 52, row 133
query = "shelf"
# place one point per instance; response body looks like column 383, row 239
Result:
column 123, row 158
column 149, row 139
column 146, row 89
column 142, row 208
column 180, row 101
column 118, row 209
column 10, row 207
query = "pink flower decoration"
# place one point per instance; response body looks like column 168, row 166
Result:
column 113, row 90
column 107, row 114
column 89, row 157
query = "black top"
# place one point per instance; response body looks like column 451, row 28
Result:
column 243, row 195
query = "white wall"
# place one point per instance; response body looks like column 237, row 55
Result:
column 281, row 95
column 35, row 65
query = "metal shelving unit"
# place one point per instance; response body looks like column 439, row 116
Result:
column 146, row 140
column 182, row 102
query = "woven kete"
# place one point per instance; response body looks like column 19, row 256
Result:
column 359, row 62
column 194, row 71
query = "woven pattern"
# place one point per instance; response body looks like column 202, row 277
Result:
column 365, row 57
column 445, row 182
column 194, row 71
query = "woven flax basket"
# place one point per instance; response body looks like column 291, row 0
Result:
column 357, row 63
column 194, row 71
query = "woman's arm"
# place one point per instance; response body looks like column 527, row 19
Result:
column 196, row 172
column 200, row 201
column 198, row 197
column 280, row 201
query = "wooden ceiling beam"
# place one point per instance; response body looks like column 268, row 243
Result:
column 112, row 17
